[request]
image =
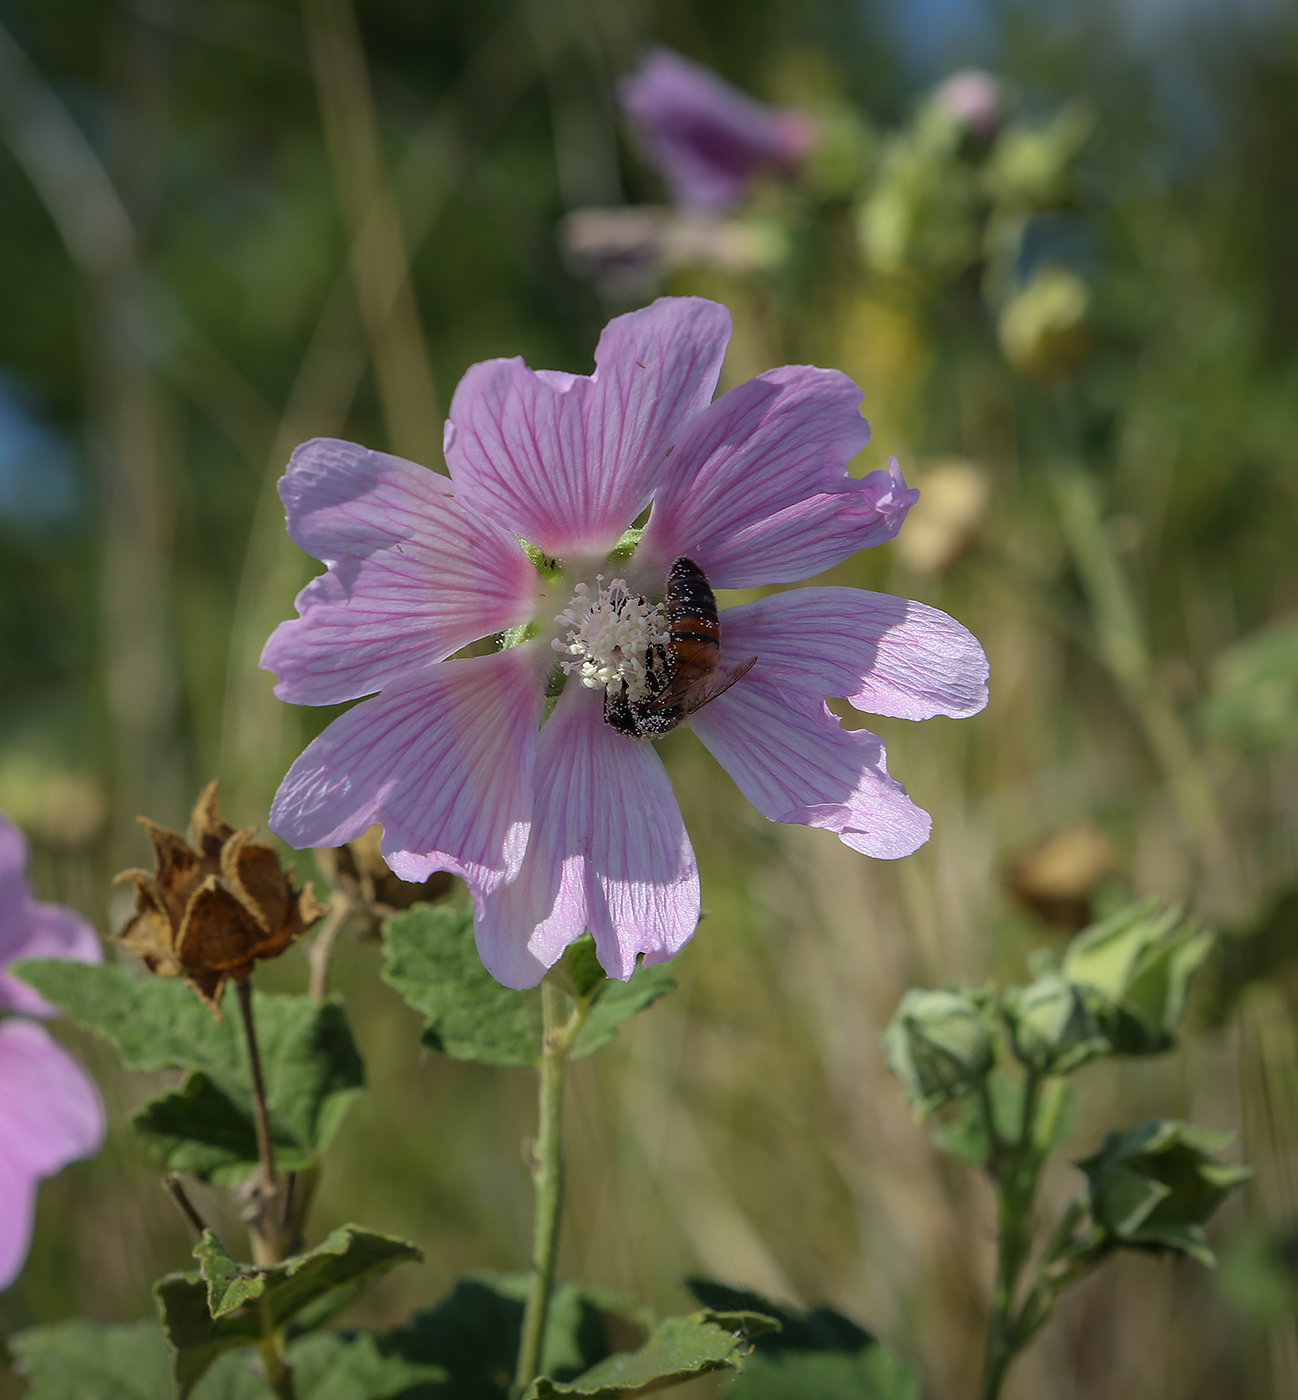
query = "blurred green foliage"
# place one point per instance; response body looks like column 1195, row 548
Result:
column 232, row 225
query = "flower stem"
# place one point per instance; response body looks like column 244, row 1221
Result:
column 175, row 1188
column 322, row 947
column 279, row 1369
column 1014, row 1170
column 560, row 1030
column 265, row 1146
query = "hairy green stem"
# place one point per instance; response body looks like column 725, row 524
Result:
column 279, row 1369
column 560, row 1033
column 1015, row 1167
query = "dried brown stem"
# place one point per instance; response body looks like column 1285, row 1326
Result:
column 175, row 1188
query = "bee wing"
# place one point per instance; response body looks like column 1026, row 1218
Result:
column 718, row 685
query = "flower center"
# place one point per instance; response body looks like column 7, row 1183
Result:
column 610, row 636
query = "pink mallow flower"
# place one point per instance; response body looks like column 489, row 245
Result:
column 558, row 821
column 707, row 138
column 50, row 1113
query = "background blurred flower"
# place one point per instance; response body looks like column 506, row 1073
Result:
column 50, row 1112
column 573, row 825
column 974, row 98
column 707, row 138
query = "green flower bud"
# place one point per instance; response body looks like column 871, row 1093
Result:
column 1042, row 327
column 1155, row 1186
column 939, row 1046
column 1138, row 966
column 1051, row 1027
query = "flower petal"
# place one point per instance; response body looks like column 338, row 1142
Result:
column 29, row 929
column 50, row 1114
column 757, row 490
column 443, row 759
column 884, row 655
column 413, row 574
column 568, row 461
column 794, row 762
column 610, row 855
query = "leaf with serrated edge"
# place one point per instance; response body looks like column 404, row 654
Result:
column 680, row 1348
column 817, row 1353
column 309, row 1059
column 197, row 1337
column 431, row 959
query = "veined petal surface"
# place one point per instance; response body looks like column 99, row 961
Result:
column 757, row 490
column 50, row 1115
column 610, row 855
column 568, row 461
column 443, row 759
column 31, row 929
column 413, row 574
column 884, row 655
column 793, row 760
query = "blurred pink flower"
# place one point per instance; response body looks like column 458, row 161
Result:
column 707, row 138
column 974, row 98
column 50, row 1113
column 564, row 823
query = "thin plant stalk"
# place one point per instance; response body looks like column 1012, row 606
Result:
column 560, row 1030
column 265, row 1146
column 279, row 1369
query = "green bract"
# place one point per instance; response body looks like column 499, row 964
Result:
column 939, row 1046
column 1154, row 1186
column 1051, row 1028
column 1138, row 965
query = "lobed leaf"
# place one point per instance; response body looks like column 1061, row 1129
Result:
column 431, row 959
column 228, row 1305
column 818, row 1353
column 679, row 1349
column 86, row 1361
column 310, row 1061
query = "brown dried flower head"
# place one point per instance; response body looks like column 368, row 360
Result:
column 360, row 872
column 214, row 904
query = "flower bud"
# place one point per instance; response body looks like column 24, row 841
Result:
column 1051, row 1028
column 1138, row 965
column 939, row 1046
column 213, row 905
column 1154, row 1186
column 359, row 870
column 973, row 97
column 1042, row 328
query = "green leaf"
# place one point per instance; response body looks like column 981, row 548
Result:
column 206, row 1127
column 819, row 1353
column 431, row 959
column 473, row 1335
column 85, row 1361
column 78, row 1360
column 228, row 1305
column 1254, row 692
column 679, row 1349
column 617, row 1001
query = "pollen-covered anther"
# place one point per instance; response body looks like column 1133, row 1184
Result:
column 611, row 634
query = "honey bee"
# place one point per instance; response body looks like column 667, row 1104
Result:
column 684, row 675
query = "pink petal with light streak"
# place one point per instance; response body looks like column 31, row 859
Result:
column 885, row 655
column 443, row 759
column 568, row 461
column 757, row 490
column 413, row 575
column 50, row 1115
column 611, row 855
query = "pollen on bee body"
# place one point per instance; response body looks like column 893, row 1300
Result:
column 609, row 635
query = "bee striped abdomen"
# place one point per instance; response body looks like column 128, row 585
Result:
column 694, row 645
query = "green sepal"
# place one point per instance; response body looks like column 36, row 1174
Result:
column 940, row 1046
column 431, row 959
column 311, row 1065
column 1137, row 967
column 228, row 1305
column 816, row 1353
column 679, row 1349
column 1156, row 1185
